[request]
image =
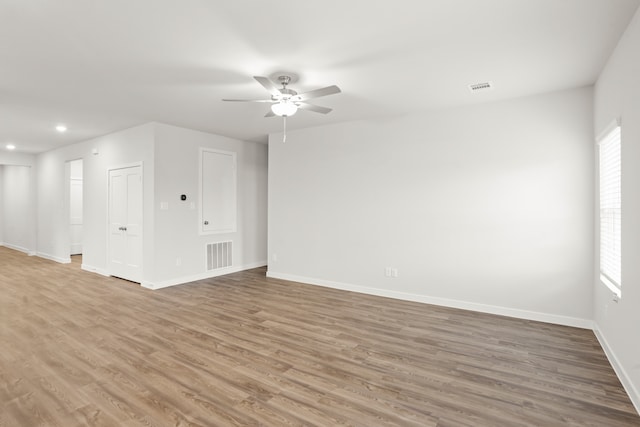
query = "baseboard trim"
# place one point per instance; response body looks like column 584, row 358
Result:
column 624, row 378
column 465, row 305
column 92, row 269
column 201, row 276
column 18, row 248
column 53, row 258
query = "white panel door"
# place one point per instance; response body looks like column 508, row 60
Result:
column 75, row 216
column 218, row 186
column 125, row 223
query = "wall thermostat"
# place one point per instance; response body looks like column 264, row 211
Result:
column 183, row 197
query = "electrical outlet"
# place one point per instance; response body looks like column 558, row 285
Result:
column 274, row 257
column 178, row 262
column 390, row 272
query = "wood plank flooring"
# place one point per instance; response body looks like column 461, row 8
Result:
column 78, row 349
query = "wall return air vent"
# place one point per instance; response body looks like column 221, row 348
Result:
column 481, row 87
column 219, row 255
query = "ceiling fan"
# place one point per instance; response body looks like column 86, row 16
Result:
column 285, row 102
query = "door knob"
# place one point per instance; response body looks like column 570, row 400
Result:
column 206, row 223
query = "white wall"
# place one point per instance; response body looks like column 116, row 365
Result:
column 16, row 216
column 114, row 150
column 170, row 168
column 19, row 159
column 17, row 201
column 176, row 229
column 617, row 95
column 486, row 207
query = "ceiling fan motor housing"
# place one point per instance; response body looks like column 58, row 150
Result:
column 284, row 80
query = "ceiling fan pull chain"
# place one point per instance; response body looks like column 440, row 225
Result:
column 284, row 132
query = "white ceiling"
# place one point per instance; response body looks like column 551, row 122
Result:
column 104, row 65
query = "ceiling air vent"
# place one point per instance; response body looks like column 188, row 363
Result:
column 481, row 87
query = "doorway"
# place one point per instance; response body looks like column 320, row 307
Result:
column 75, row 207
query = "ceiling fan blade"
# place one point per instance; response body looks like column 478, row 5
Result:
column 248, row 100
column 315, row 108
column 270, row 114
column 317, row 93
column 268, row 85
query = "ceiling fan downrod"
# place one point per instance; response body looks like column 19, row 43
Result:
column 284, row 80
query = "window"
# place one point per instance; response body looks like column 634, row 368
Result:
column 611, row 210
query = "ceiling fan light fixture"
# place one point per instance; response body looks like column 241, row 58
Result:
column 284, row 108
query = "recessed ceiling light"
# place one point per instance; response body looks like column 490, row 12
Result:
column 11, row 147
column 61, row 128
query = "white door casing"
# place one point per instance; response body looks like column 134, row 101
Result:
column 125, row 223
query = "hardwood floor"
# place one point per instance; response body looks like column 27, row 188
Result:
column 78, row 349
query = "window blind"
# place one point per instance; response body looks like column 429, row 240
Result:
column 611, row 208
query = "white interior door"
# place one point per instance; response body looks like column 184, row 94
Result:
column 75, row 215
column 218, row 191
column 125, row 223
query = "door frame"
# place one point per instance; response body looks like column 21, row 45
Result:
column 107, row 223
column 67, row 202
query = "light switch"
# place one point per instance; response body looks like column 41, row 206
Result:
column 164, row 206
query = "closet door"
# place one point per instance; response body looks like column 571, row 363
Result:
column 125, row 223
column 217, row 191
